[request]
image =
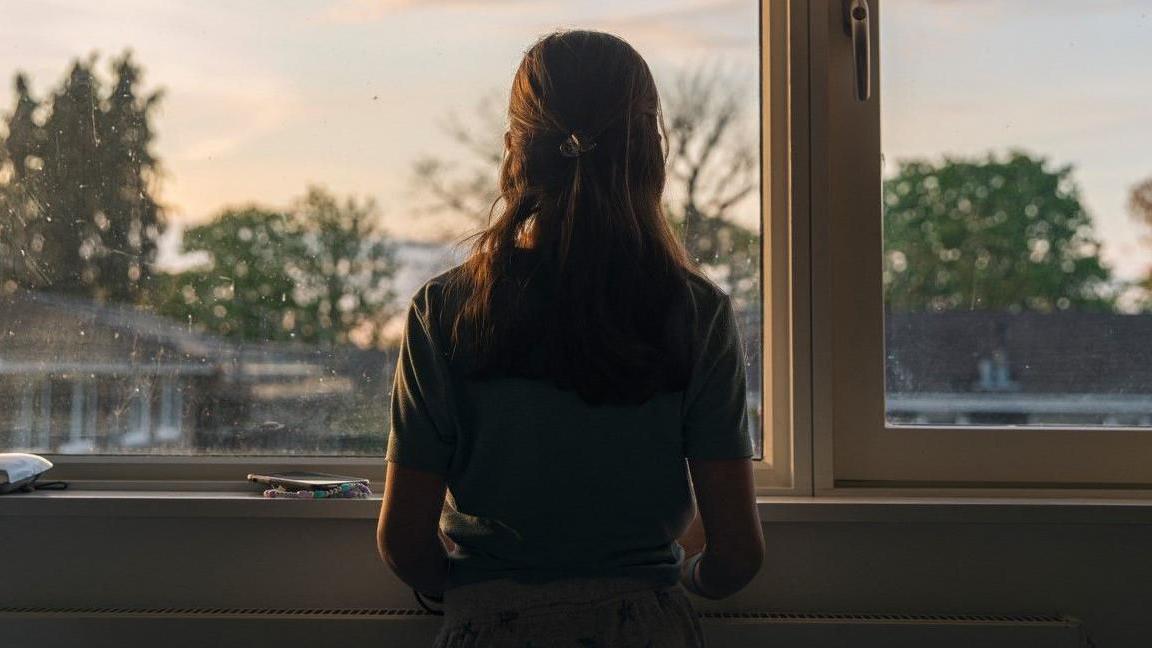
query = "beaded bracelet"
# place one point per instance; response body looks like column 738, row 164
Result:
column 435, row 599
column 688, row 577
column 349, row 489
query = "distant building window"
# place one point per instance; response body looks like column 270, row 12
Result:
column 995, row 374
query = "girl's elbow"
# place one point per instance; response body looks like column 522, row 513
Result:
column 402, row 555
column 389, row 550
column 397, row 561
column 751, row 559
column 734, row 569
column 755, row 551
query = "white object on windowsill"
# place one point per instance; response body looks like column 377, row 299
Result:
column 17, row 468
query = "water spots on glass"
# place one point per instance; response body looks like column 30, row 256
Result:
column 291, row 306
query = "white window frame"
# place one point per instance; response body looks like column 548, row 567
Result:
column 823, row 373
column 786, row 466
column 857, row 452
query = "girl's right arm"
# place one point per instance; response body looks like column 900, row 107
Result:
column 733, row 539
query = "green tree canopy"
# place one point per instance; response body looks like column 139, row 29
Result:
column 995, row 233
column 77, row 213
column 319, row 272
column 247, row 292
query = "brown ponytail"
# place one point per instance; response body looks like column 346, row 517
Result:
column 581, row 186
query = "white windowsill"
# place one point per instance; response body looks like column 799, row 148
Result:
column 180, row 504
column 773, row 510
column 954, row 510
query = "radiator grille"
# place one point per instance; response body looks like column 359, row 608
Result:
column 216, row 612
column 780, row 617
column 958, row 619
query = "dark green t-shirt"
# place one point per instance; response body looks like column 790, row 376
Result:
column 544, row 486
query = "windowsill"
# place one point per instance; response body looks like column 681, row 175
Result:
column 92, row 502
column 954, row 510
column 79, row 502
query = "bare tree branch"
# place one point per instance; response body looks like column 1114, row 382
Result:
column 712, row 170
column 483, row 139
column 1140, row 201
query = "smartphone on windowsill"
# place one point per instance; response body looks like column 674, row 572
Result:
column 303, row 480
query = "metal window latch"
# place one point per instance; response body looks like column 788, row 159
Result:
column 856, row 17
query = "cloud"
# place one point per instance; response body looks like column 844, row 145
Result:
column 220, row 119
column 353, row 12
column 1003, row 7
column 1047, row 5
column 720, row 24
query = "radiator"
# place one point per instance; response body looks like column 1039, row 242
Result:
column 753, row 629
column 398, row 628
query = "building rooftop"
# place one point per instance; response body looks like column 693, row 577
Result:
column 1028, row 353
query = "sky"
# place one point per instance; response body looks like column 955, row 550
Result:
column 263, row 97
column 1064, row 79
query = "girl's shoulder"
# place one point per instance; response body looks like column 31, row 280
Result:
column 437, row 299
column 706, row 298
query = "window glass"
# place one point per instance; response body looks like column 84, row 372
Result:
column 1018, row 212
column 213, row 214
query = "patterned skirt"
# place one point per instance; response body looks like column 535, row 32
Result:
column 576, row 613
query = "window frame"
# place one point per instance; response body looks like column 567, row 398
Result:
column 823, row 416
column 858, row 452
column 786, row 465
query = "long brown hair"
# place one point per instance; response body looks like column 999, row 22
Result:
column 580, row 187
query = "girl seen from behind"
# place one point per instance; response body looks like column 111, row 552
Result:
column 562, row 386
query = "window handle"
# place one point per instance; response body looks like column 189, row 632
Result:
column 856, row 25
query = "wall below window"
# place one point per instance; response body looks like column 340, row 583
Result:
column 1098, row 572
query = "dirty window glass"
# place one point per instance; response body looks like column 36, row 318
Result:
column 1018, row 212
column 207, row 239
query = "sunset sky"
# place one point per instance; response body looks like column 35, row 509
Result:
column 263, row 97
column 1065, row 79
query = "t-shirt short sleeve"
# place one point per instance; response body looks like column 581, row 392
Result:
column 715, row 402
column 423, row 434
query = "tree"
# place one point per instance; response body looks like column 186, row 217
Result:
column 993, row 234
column 20, row 246
column 465, row 188
column 78, row 215
column 344, row 278
column 713, row 171
column 1140, row 206
column 319, row 273
column 714, row 168
column 247, row 292
column 1140, row 201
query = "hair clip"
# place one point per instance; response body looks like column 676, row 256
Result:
column 574, row 146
